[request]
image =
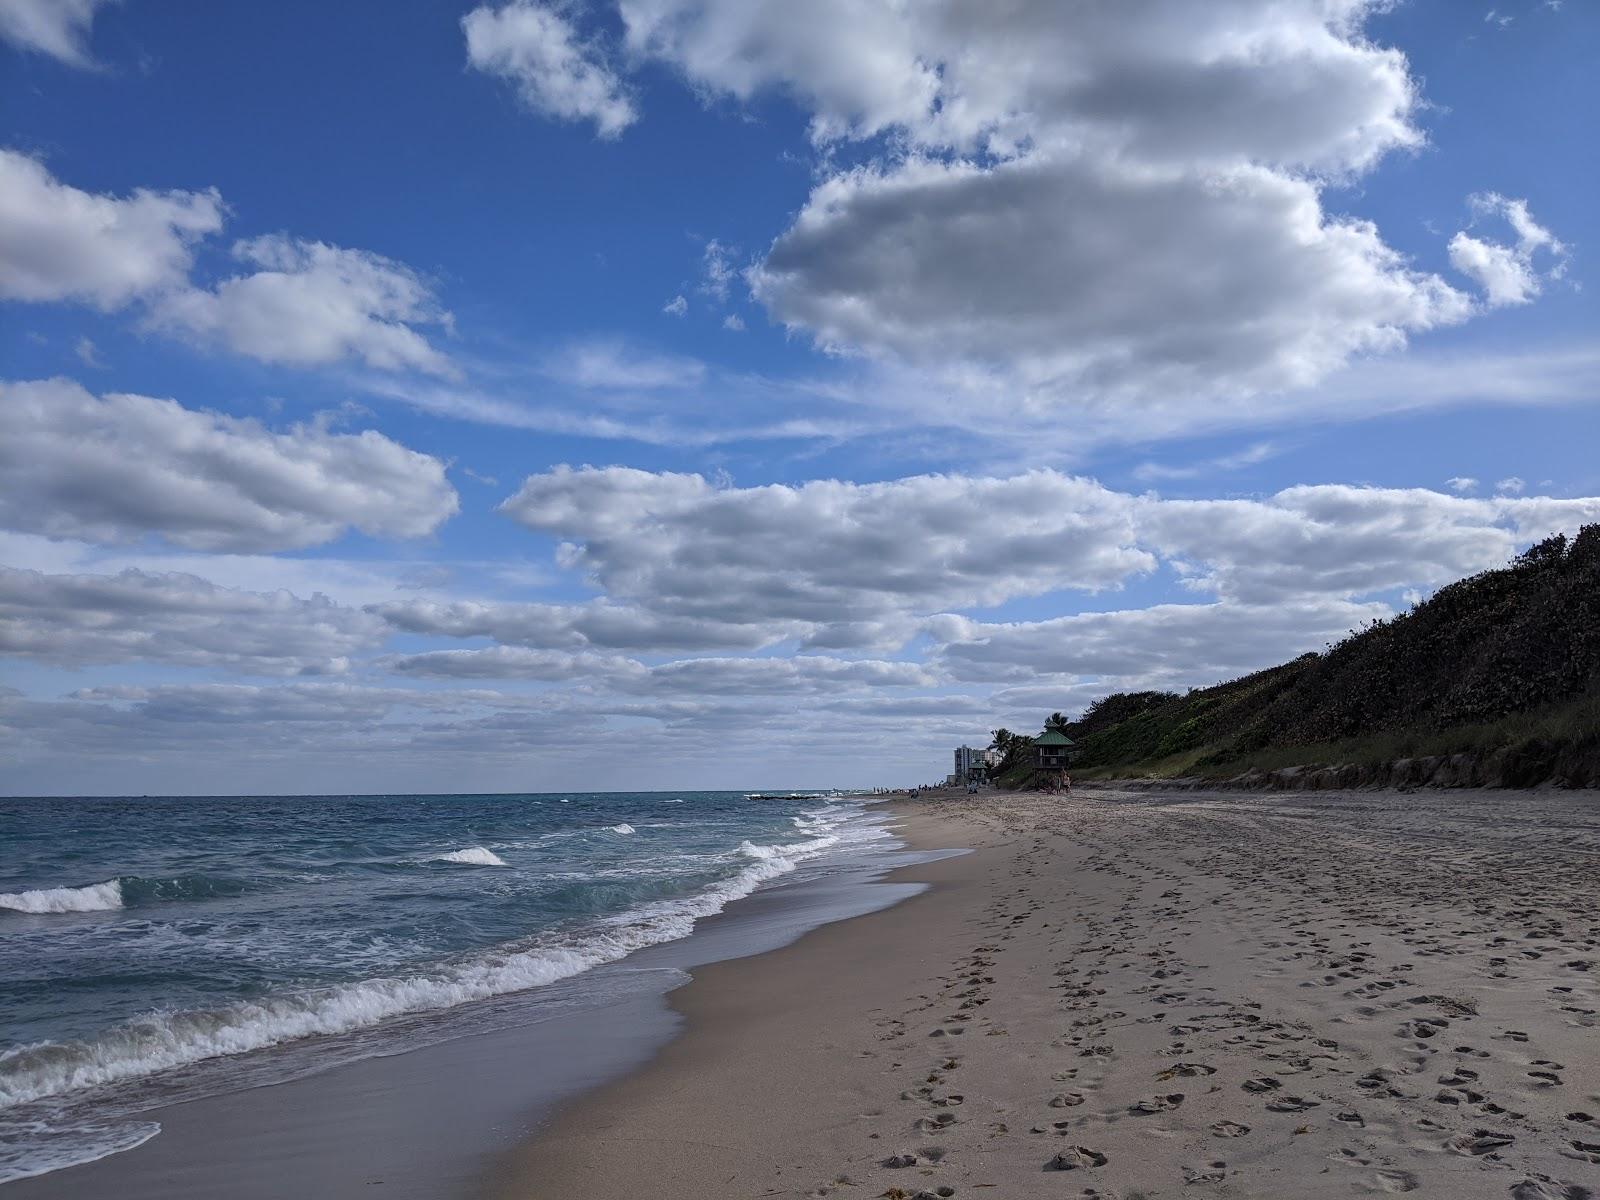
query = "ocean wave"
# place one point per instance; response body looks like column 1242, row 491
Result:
column 50, row 1146
column 623, row 828
column 473, row 856
column 97, row 897
column 165, row 1040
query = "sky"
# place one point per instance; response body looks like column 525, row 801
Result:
column 428, row 396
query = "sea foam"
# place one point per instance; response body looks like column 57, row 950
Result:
column 623, row 828
column 473, row 856
column 97, row 897
column 164, row 1040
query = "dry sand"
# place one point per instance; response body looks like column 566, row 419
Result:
column 1145, row 995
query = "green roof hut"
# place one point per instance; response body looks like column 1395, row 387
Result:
column 1052, row 750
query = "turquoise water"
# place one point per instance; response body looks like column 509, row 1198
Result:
column 143, row 936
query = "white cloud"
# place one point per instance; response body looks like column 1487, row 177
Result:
column 352, row 582
column 1088, row 203
column 58, row 28
column 1511, row 486
column 535, row 47
column 1165, row 645
column 311, row 304
column 60, row 243
column 1251, row 455
column 88, row 353
column 119, row 467
column 596, row 624
column 717, row 264
column 1197, row 285
column 675, row 307
column 1508, row 275
column 1336, row 540
column 847, row 565
column 733, row 323
column 807, row 674
column 612, row 365
column 1462, row 484
column 685, row 565
column 831, row 554
column 516, row 662
column 305, row 304
column 181, row 620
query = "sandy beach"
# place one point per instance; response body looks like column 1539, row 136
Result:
column 1137, row 994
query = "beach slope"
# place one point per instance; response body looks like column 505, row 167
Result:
column 1144, row 995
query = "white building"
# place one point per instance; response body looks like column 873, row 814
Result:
column 971, row 763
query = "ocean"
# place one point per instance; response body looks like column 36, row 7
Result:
column 158, row 949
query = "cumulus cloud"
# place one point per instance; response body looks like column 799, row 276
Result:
column 535, row 47
column 1508, row 274
column 1096, row 278
column 118, row 467
column 58, row 28
column 303, row 303
column 1338, row 540
column 1165, row 645
column 177, row 619
column 1089, row 202
column 60, row 243
column 844, row 565
column 827, row 552
column 311, row 304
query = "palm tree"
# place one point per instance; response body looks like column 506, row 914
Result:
column 1057, row 722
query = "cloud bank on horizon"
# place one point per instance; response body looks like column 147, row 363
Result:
column 775, row 395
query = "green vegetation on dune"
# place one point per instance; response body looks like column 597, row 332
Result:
column 1502, row 668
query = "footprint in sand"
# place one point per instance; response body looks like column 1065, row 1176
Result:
column 1229, row 1129
column 1075, row 1157
column 1292, row 1104
column 1479, row 1142
column 1157, row 1104
column 1549, row 1189
column 1389, row 1180
column 1212, row 1172
column 1187, row 1070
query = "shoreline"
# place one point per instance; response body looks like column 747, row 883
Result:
column 424, row 1119
column 730, row 1004
column 1124, row 994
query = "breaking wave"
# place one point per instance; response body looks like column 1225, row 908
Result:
column 623, row 828
column 473, row 856
column 97, row 897
column 164, row 1040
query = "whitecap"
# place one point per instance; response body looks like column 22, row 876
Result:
column 623, row 828
column 97, row 897
column 473, row 856
column 162, row 1040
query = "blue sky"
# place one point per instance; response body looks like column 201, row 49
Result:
column 434, row 395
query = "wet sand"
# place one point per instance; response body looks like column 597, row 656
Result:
column 1141, row 995
column 420, row 1123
